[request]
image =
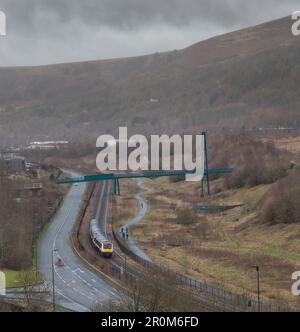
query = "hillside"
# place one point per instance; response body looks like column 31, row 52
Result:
column 246, row 78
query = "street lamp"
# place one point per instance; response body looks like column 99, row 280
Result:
column 256, row 267
column 53, row 281
column 35, row 247
column 125, row 263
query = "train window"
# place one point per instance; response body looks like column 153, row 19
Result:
column 107, row 246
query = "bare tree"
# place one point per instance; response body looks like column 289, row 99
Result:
column 34, row 293
column 155, row 292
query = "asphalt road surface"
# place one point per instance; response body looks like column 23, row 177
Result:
column 76, row 287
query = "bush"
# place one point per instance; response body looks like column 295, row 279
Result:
column 176, row 179
column 203, row 230
column 186, row 217
column 281, row 204
column 254, row 162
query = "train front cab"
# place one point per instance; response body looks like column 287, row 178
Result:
column 107, row 249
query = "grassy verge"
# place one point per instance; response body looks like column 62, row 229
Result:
column 125, row 206
column 14, row 278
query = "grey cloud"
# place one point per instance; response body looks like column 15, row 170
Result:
column 134, row 13
column 46, row 31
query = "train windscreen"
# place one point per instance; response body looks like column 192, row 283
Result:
column 107, row 246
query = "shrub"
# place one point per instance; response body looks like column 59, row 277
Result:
column 203, row 230
column 254, row 162
column 186, row 217
column 281, row 204
column 176, row 179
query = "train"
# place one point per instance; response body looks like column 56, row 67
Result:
column 99, row 240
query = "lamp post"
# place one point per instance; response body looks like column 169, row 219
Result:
column 256, row 267
column 36, row 250
column 35, row 241
column 125, row 264
column 53, row 280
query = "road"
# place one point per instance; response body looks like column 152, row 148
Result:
column 76, row 287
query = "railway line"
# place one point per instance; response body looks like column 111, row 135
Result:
column 133, row 269
column 101, row 215
column 118, row 259
column 78, row 282
column 76, row 287
column 208, row 299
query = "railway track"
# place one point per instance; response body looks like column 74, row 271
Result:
column 76, row 287
column 102, row 215
column 124, row 269
column 126, row 266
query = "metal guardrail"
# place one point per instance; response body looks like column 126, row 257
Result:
column 215, row 208
column 33, row 186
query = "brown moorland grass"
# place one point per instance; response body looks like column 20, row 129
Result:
column 221, row 248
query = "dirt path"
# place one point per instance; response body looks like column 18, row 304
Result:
column 137, row 219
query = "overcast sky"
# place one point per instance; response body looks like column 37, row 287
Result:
column 53, row 31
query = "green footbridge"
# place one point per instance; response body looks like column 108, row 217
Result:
column 117, row 176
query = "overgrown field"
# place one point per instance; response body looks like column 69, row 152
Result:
column 262, row 228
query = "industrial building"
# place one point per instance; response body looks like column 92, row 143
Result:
column 13, row 162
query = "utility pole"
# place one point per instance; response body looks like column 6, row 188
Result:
column 206, row 165
column 34, row 240
column 256, row 267
column 53, row 281
column 35, row 253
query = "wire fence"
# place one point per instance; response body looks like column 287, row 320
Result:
column 238, row 301
column 122, row 271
